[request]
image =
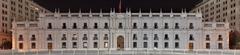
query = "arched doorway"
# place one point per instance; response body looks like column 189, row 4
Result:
column 120, row 42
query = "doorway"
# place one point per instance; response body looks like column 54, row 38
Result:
column 120, row 42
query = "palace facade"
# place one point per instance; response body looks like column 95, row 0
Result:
column 124, row 31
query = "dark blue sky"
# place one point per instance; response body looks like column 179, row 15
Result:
column 95, row 5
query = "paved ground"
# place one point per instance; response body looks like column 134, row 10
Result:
column 128, row 52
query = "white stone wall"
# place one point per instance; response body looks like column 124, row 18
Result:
column 127, row 20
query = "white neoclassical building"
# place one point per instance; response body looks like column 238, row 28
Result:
column 123, row 31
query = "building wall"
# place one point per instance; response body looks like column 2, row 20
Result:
column 220, row 11
column 18, row 10
column 200, row 29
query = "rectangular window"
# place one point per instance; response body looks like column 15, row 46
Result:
column 74, row 45
column 85, row 45
column 33, row 38
column 20, row 45
column 166, row 45
column 220, row 46
column 134, row 44
column 95, row 25
column 155, row 25
column 208, row 45
column 155, row 44
column 176, row 45
column 145, row 44
column 85, row 26
column 64, row 45
column 95, row 45
column 105, row 44
column 33, row 45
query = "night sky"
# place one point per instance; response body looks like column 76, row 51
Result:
column 106, row 5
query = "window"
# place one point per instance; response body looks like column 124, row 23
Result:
column 74, row 37
column 220, row 38
column 208, row 45
column 33, row 38
column 134, row 36
column 49, row 26
column 191, row 26
column 166, row 26
column 74, row 25
column 20, row 45
column 95, row 37
column 145, row 26
column 49, row 38
column 95, row 25
column 155, row 37
column 85, row 45
column 64, row 37
column 155, row 25
column 64, row 45
column 145, row 37
column 166, row 45
column 176, row 37
column 105, row 44
column 134, row 25
column 20, row 38
column 106, row 26
column 176, row 45
column 176, row 26
column 95, row 45
column 207, row 38
column 120, row 26
column 85, row 37
column 64, row 26
column 134, row 44
column 166, row 37
column 155, row 44
column 220, row 46
column 85, row 26
column 106, row 37
column 33, row 45
column 145, row 44
column 74, row 45
column 191, row 37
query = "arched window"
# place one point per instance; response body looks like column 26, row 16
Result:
column 134, row 36
column 220, row 38
column 106, row 37
column 95, row 37
column 191, row 37
column 155, row 37
column 20, row 38
column 191, row 26
column 166, row 37
column 33, row 38
column 207, row 37
column 49, row 38
column 84, row 37
column 64, row 37
column 176, row 37
column 74, row 37
column 145, row 37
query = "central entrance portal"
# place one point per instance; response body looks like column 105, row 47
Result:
column 120, row 42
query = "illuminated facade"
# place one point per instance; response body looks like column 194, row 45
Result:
column 124, row 31
column 17, row 10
